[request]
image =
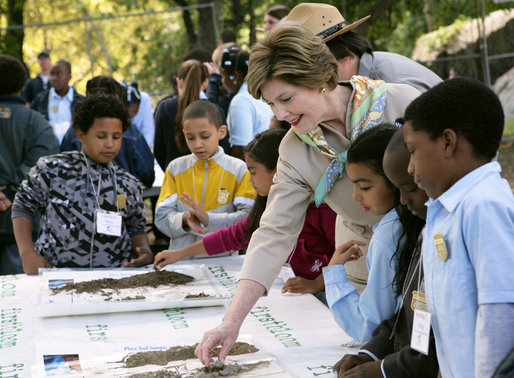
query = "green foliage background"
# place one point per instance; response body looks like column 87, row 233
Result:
column 148, row 48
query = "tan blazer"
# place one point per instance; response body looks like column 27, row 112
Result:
column 299, row 169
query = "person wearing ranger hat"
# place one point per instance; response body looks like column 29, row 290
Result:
column 355, row 56
column 353, row 51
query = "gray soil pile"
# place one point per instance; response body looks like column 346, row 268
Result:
column 179, row 353
column 216, row 370
column 151, row 279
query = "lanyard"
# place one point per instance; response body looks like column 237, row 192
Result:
column 205, row 183
column 406, row 286
column 96, row 192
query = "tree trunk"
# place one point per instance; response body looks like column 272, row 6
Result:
column 427, row 9
column 207, row 34
column 376, row 12
column 253, row 36
column 237, row 17
column 12, row 43
column 190, row 28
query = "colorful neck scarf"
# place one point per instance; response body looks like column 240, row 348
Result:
column 369, row 101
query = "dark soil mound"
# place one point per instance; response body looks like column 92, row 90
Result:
column 151, row 279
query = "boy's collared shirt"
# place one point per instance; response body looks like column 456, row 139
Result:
column 476, row 218
column 59, row 112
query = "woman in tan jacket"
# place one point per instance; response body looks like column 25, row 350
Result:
column 295, row 73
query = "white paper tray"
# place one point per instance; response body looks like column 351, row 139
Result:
column 105, row 360
column 71, row 303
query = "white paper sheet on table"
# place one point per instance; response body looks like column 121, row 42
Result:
column 85, row 360
column 165, row 296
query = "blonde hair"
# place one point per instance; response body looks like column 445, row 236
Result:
column 292, row 53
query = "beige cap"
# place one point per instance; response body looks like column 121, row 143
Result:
column 324, row 20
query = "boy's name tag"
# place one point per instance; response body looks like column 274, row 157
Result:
column 420, row 331
column 108, row 223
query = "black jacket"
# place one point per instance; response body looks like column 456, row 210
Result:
column 25, row 136
column 392, row 344
column 33, row 87
column 40, row 103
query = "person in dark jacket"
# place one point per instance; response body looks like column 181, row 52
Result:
column 56, row 104
column 41, row 82
column 25, row 136
column 135, row 156
column 169, row 141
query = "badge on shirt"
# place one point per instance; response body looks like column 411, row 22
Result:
column 223, row 195
column 418, row 298
column 121, row 199
column 108, row 223
column 54, row 108
column 5, row 113
column 440, row 246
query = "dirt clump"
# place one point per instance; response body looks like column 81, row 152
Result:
column 179, row 353
column 199, row 295
column 216, row 370
column 151, row 279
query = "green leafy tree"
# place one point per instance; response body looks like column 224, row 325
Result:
column 11, row 42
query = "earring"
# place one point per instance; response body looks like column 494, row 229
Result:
column 323, row 90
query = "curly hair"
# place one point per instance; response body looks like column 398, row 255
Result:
column 99, row 105
column 12, row 75
column 292, row 53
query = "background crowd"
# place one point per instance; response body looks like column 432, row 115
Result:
column 368, row 177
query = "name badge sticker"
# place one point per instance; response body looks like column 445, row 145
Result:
column 108, row 223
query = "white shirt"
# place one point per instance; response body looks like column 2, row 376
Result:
column 59, row 112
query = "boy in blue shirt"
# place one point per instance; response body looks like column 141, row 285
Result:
column 452, row 133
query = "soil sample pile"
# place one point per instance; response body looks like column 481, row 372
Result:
column 151, row 279
column 179, row 353
column 199, row 295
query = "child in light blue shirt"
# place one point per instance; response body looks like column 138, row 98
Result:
column 359, row 314
column 452, row 133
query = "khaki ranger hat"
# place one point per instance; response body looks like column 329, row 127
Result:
column 324, row 20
